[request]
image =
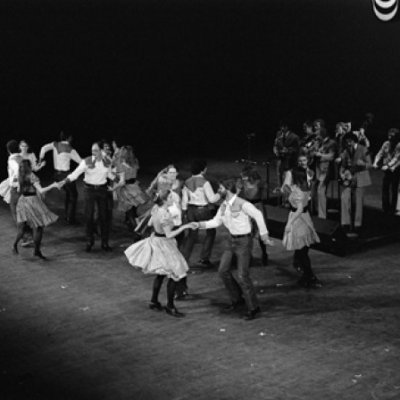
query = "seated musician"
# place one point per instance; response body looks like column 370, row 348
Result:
column 388, row 160
column 355, row 177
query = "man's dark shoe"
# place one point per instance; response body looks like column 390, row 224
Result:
column 204, row 264
column 252, row 314
column 232, row 307
column 88, row 248
column 106, row 247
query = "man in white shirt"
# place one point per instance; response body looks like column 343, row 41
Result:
column 63, row 153
column 97, row 170
column 14, row 159
column 197, row 196
column 235, row 214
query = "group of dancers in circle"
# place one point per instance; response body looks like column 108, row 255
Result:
column 166, row 217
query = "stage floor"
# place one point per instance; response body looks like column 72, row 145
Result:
column 78, row 327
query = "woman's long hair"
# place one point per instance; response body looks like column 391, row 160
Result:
column 299, row 176
column 128, row 156
column 24, row 175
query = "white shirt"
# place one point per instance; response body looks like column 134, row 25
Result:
column 93, row 176
column 61, row 161
column 200, row 197
column 13, row 169
column 238, row 223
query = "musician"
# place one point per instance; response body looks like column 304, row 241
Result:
column 341, row 129
column 355, row 177
column 308, row 142
column 286, row 148
column 324, row 156
column 388, row 160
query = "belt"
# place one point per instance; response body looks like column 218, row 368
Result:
column 240, row 236
column 305, row 209
column 104, row 185
column 195, row 205
column 132, row 180
column 159, row 234
column 28, row 194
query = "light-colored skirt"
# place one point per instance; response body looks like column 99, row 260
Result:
column 5, row 190
column 158, row 255
column 302, row 233
column 33, row 211
column 130, row 195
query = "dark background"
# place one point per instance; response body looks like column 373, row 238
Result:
column 179, row 78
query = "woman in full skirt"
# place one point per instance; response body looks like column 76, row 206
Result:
column 300, row 233
column 159, row 254
column 31, row 209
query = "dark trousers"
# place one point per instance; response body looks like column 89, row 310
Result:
column 390, row 186
column 71, row 195
column 14, row 196
column 242, row 286
column 198, row 214
column 96, row 196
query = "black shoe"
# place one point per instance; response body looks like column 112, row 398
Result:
column 252, row 314
column 88, row 248
column 204, row 264
column 155, row 305
column 15, row 248
column 39, row 254
column 106, row 247
column 315, row 282
column 232, row 307
column 173, row 312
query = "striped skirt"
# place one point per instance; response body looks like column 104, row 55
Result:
column 33, row 211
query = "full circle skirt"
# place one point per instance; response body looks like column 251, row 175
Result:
column 302, row 233
column 33, row 211
column 158, row 255
column 5, row 190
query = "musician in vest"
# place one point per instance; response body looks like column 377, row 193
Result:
column 197, row 196
column 387, row 159
column 63, row 153
column 324, row 157
column 97, row 170
column 355, row 177
column 236, row 215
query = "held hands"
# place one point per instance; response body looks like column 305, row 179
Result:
column 265, row 238
column 193, row 225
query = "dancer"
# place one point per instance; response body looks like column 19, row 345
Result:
column 197, row 196
column 26, row 155
column 31, row 209
column 299, row 230
column 252, row 190
column 159, row 253
column 236, row 215
column 387, row 160
column 127, row 190
column 97, row 170
column 14, row 159
column 63, row 153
